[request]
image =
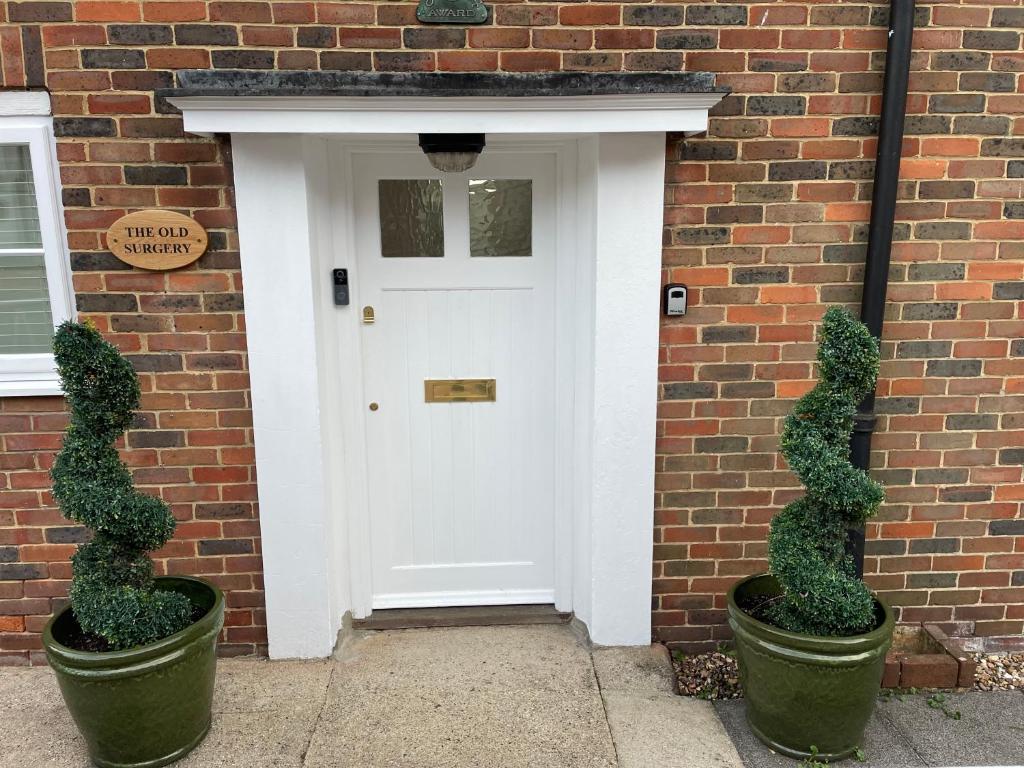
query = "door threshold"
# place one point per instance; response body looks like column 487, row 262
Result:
column 462, row 616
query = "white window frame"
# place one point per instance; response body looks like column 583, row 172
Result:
column 25, row 119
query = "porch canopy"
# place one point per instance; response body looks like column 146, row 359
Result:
column 227, row 101
column 293, row 136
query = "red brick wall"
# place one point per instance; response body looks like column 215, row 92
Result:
column 184, row 331
column 765, row 221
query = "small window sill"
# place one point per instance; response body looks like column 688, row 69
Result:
column 30, row 388
column 32, row 375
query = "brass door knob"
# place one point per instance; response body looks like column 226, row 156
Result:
column 374, row 406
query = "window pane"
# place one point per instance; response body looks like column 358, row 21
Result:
column 25, row 322
column 501, row 217
column 19, row 219
column 411, row 218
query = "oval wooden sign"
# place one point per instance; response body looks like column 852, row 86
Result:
column 157, row 239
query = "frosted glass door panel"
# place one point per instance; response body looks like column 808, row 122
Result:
column 411, row 218
column 501, row 217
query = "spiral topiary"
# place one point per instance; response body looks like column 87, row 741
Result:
column 113, row 593
column 821, row 594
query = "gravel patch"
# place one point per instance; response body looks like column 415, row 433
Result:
column 714, row 675
column 707, row 676
column 999, row 672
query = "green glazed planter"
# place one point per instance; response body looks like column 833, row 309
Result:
column 146, row 706
column 802, row 690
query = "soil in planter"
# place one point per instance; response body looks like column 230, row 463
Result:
column 79, row 640
column 756, row 606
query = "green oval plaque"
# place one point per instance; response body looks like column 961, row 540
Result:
column 451, row 12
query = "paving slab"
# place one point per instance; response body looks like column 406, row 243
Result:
column 646, row 670
column 510, row 697
column 668, row 730
column 883, row 745
column 514, row 697
column 264, row 714
column 990, row 730
column 249, row 686
column 905, row 732
column 650, row 724
column 35, row 727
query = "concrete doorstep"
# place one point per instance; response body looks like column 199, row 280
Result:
column 510, row 697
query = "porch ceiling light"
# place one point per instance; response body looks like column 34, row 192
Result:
column 452, row 152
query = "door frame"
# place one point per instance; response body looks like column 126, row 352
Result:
column 352, row 421
column 308, row 522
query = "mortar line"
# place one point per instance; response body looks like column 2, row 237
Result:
column 319, row 714
column 899, row 734
column 604, row 705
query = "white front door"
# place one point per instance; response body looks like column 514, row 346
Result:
column 457, row 274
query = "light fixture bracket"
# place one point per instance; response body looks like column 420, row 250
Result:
column 452, row 152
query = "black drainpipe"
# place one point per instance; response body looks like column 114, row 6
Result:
column 883, row 214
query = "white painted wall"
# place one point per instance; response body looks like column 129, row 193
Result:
column 277, row 243
column 322, row 215
column 582, row 604
column 629, row 209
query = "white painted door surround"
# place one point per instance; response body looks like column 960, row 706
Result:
column 459, row 271
column 293, row 164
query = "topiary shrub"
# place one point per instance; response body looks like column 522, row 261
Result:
column 112, row 589
column 821, row 594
